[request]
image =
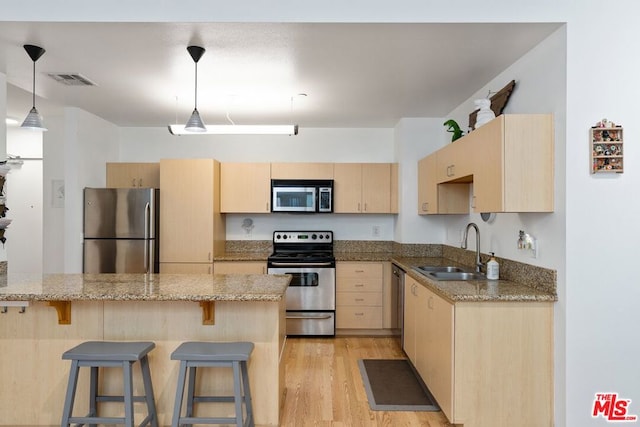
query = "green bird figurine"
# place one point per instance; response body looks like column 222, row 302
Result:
column 453, row 128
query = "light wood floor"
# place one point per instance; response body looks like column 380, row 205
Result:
column 324, row 385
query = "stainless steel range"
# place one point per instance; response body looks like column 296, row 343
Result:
column 311, row 297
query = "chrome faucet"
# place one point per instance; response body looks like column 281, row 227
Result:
column 479, row 263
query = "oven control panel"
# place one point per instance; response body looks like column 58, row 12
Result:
column 303, row 236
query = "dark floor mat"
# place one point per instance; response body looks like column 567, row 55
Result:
column 393, row 385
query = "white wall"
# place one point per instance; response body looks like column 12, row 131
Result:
column 76, row 148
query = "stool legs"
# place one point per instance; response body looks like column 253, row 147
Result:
column 241, row 394
column 92, row 419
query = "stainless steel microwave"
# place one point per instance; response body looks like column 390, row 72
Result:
column 302, row 195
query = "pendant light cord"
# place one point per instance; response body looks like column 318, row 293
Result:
column 34, row 84
column 196, row 97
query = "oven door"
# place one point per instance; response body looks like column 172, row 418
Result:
column 311, row 288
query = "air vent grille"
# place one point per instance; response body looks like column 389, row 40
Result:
column 71, row 79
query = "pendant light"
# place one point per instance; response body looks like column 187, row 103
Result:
column 33, row 120
column 195, row 124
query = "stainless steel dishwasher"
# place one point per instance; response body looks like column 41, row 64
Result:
column 397, row 286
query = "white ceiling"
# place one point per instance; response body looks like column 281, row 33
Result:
column 354, row 75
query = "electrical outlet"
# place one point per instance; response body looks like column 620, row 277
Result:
column 375, row 231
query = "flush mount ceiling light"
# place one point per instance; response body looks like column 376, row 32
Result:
column 33, row 120
column 239, row 130
column 195, row 124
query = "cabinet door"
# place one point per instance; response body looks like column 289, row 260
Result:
column 131, row 175
column 427, row 185
column 455, row 162
column 394, row 188
column 302, row 170
column 240, row 267
column 347, row 188
column 376, row 188
column 488, row 179
column 438, row 350
column 516, row 173
column 245, row 187
column 185, row 268
column 189, row 210
column 409, row 321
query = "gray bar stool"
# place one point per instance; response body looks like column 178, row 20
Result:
column 194, row 355
column 96, row 354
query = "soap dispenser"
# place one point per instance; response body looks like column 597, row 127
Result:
column 493, row 268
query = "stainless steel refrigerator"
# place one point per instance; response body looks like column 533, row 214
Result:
column 121, row 230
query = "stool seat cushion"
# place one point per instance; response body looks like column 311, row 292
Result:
column 213, row 351
column 109, row 350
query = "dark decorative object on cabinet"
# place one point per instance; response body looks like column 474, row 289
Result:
column 498, row 102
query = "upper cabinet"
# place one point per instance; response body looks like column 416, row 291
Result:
column 133, row 175
column 192, row 229
column 365, row 188
column 509, row 160
column 434, row 198
column 515, row 164
column 245, row 187
column 301, row 170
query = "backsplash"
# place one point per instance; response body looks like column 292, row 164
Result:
column 540, row 278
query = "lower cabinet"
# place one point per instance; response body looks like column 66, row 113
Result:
column 240, row 267
column 186, row 268
column 486, row 363
column 359, row 295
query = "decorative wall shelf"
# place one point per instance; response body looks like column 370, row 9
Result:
column 606, row 145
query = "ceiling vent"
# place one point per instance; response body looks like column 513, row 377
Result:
column 71, row 79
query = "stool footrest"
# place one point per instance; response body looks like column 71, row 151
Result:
column 97, row 420
column 198, row 420
column 214, row 399
column 119, row 398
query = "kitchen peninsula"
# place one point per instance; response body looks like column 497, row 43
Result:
column 66, row 309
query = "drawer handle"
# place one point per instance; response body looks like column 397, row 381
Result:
column 359, row 299
column 359, row 314
column 359, row 285
column 359, row 271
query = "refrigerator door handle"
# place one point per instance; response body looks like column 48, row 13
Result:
column 147, row 232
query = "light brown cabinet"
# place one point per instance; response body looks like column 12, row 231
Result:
column 473, row 355
column 301, row 170
column 359, row 295
column 240, row 267
column 192, row 229
column 509, row 161
column 515, row 167
column 186, row 268
column 364, row 188
column 455, row 162
column 133, row 175
column 434, row 198
column 245, row 187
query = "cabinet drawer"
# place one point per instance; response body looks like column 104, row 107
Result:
column 359, row 299
column 359, row 317
column 370, row 271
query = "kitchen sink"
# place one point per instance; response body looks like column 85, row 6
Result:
column 437, row 268
column 448, row 273
column 456, row 275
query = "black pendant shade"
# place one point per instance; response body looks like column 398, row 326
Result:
column 33, row 120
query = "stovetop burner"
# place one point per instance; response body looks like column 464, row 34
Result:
column 302, row 246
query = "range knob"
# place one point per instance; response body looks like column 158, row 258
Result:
column 278, row 237
column 315, row 236
column 284, row 237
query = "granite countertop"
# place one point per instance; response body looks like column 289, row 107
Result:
column 143, row 287
column 472, row 290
